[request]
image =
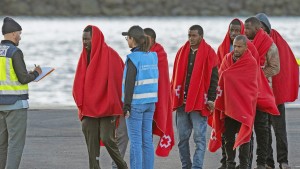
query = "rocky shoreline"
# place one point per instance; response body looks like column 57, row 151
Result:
column 148, row 8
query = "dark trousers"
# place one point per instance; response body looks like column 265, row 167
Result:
column 102, row 128
column 279, row 126
column 223, row 159
column 231, row 128
column 261, row 129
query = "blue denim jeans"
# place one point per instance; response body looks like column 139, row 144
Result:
column 139, row 126
column 185, row 123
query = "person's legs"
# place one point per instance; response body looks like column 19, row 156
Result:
column 184, row 129
column 244, row 150
column 107, row 135
column 229, row 137
column 148, row 148
column 16, row 121
column 199, row 125
column 223, row 159
column 134, row 129
column 270, row 160
column 90, row 129
column 262, row 137
column 279, row 126
column 251, row 152
column 122, row 138
column 3, row 139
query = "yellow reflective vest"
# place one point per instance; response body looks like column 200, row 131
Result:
column 9, row 84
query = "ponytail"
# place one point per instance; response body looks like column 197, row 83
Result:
column 143, row 42
column 145, row 46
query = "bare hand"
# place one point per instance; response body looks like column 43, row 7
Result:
column 38, row 69
column 210, row 106
column 127, row 114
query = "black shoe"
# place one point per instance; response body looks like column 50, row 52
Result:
column 284, row 166
column 260, row 167
column 269, row 167
column 222, row 167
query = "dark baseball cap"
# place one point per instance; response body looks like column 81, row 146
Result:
column 134, row 31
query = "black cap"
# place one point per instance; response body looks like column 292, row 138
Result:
column 134, row 31
column 10, row 25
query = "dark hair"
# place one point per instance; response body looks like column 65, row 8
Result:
column 88, row 29
column 235, row 22
column 150, row 32
column 254, row 21
column 241, row 37
column 198, row 28
column 143, row 42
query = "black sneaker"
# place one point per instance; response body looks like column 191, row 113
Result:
column 222, row 167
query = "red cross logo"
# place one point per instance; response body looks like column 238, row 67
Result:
column 177, row 91
column 219, row 91
column 165, row 141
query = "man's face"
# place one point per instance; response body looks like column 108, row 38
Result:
column 194, row 38
column 239, row 48
column 250, row 30
column 234, row 30
column 17, row 37
column 87, row 40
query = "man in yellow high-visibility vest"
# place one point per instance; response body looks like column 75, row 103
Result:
column 14, row 79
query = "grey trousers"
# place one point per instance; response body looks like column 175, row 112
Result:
column 13, row 124
column 122, row 139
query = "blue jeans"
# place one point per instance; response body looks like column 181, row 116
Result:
column 139, row 126
column 185, row 122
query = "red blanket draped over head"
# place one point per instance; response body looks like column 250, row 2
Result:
column 224, row 48
column 97, row 87
column 237, row 96
column 205, row 60
column 286, row 83
column 266, row 99
column 163, row 126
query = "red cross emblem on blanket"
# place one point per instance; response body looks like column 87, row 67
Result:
column 165, row 141
column 177, row 91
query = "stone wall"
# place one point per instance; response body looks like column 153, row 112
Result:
column 149, row 7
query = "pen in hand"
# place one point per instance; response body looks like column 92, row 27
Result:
column 38, row 69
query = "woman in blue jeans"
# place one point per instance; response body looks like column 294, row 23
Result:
column 140, row 86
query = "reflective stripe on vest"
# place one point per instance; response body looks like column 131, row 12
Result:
column 144, row 82
column 9, row 84
column 144, row 95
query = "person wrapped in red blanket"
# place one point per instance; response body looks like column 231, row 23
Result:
column 269, row 61
column 194, row 83
column 236, row 103
column 97, row 93
column 285, row 87
column 163, row 121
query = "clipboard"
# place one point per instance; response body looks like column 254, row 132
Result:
column 45, row 72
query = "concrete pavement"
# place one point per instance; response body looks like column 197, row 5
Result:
column 55, row 141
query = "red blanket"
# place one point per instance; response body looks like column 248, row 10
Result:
column 97, row 87
column 163, row 126
column 237, row 96
column 205, row 60
column 224, row 48
column 266, row 99
column 286, row 83
column 262, row 42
